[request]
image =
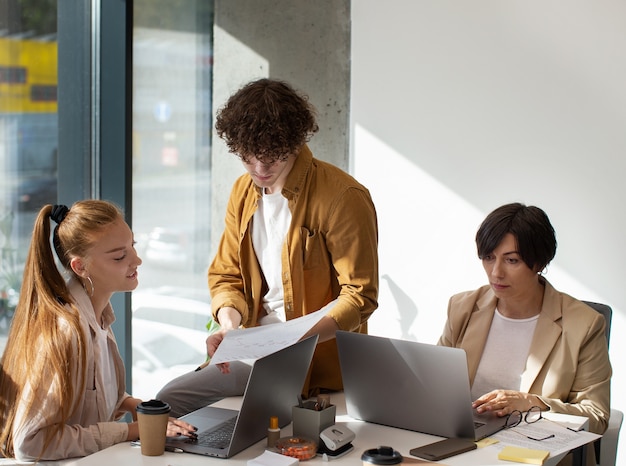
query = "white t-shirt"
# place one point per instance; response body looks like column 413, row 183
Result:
column 504, row 359
column 270, row 224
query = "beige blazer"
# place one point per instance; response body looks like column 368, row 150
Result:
column 568, row 365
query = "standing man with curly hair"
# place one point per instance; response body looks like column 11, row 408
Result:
column 299, row 233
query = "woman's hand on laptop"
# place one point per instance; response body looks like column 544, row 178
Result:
column 176, row 427
column 503, row 402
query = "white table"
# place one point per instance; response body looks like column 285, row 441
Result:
column 367, row 436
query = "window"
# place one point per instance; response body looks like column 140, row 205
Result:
column 172, row 75
column 171, row 131
column 12, row 74
column 43, row 93
column 28, row 136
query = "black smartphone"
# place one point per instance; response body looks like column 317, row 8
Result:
column 443, row 449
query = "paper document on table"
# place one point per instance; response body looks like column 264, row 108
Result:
column 563, row 441
column 256, row 342
column 570, row 421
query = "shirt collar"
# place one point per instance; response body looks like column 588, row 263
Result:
column 297, row 176
column 86, row 308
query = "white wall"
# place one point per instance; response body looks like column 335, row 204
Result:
column 459, row 107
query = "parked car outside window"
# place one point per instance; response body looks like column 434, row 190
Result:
column 170, row 326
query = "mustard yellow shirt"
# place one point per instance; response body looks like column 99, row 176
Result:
column 330, row 251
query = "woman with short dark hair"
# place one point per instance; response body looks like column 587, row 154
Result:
column 528, row 345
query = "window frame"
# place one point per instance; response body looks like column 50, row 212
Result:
column 95, row 119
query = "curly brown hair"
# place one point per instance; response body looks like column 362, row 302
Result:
column 266, row 119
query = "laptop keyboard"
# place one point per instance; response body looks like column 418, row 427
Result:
column 218, row 438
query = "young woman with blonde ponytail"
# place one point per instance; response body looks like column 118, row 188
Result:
column 62, row 380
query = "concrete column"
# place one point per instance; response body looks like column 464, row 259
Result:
column 304, row 42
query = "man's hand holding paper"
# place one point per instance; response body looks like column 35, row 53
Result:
column 256, row 342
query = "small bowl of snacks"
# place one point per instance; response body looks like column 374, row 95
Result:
column 297, row 447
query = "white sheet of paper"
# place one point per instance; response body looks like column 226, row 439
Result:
column 270, row 458
column 563, row 441
column 256, row 342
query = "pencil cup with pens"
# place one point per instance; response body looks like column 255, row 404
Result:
column 311, row 417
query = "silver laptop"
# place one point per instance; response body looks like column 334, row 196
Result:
column 410, row 385
column 273, row 387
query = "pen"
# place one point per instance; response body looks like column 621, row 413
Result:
column 323, row 401
column 136, row 443
column 174, row 449
column 203, row 365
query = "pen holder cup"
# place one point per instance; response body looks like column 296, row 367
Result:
column 309, row 423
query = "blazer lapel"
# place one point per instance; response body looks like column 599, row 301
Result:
column 477, row 331
column 546, row 335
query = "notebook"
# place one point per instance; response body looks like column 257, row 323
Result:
column 410, row 385
column 273, row 387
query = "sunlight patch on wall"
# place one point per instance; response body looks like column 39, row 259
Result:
column 426, row 243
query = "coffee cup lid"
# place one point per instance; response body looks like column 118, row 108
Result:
column 153, row 407
column 382, row 455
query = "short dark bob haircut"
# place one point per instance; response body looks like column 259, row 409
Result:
column 266, row 119
column 533, row 232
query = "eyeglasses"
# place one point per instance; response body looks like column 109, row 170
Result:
column 265, row 160
column 529, row 417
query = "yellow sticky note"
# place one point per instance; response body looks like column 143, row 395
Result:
column 486, row 442
column 523, row 455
